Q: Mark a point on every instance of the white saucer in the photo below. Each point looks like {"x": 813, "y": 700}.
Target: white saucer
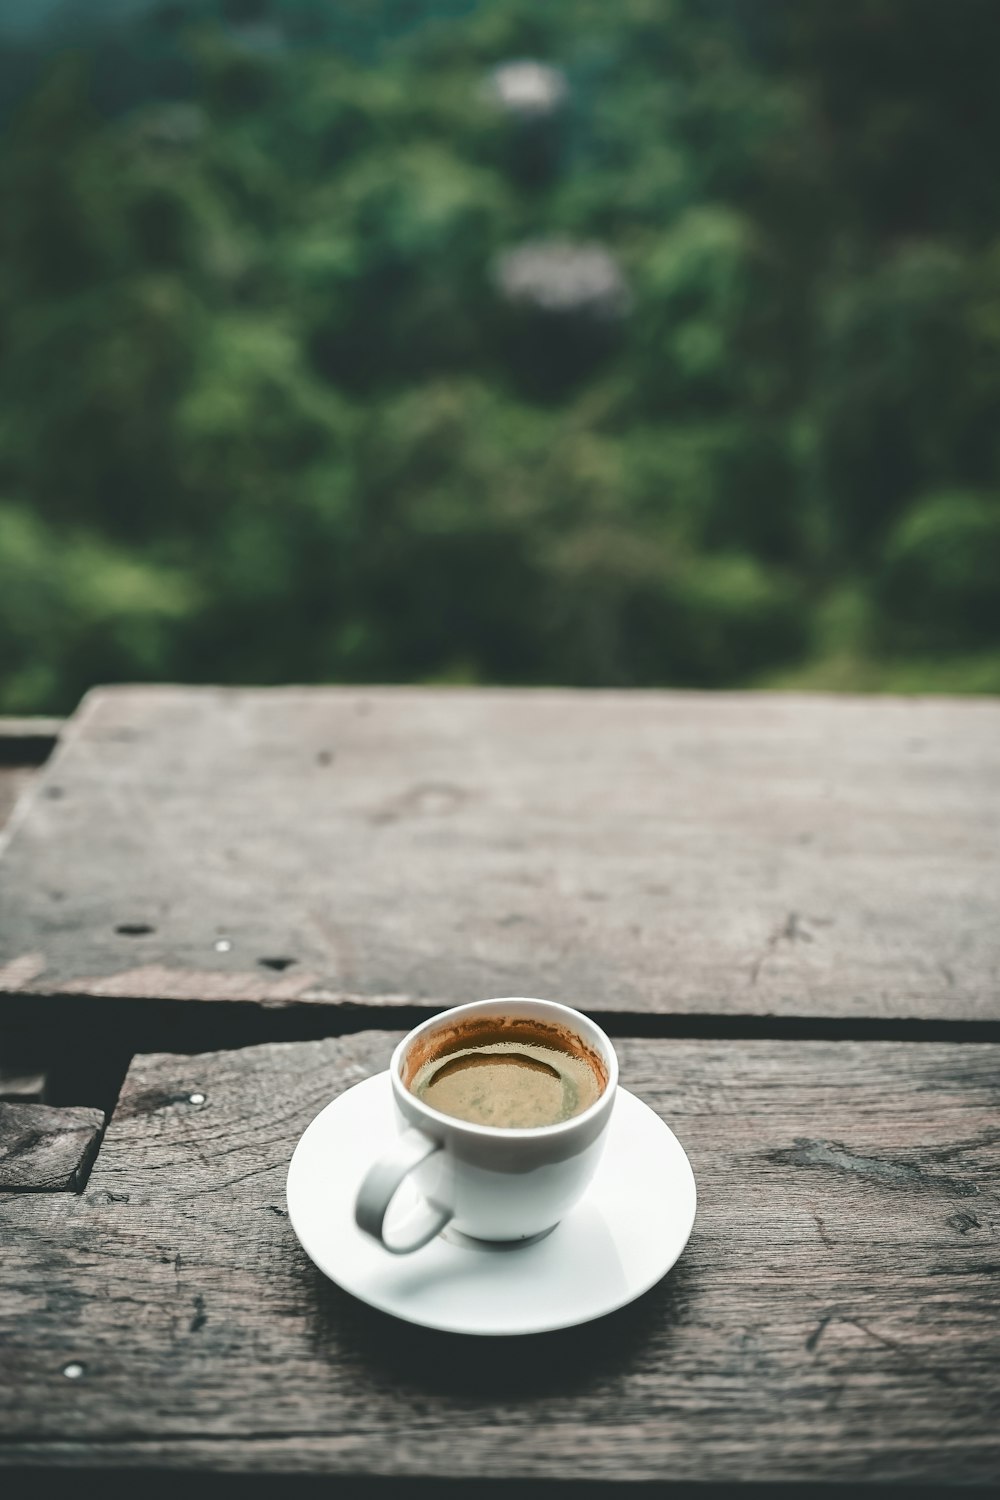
{"x": 624, "y": 1234}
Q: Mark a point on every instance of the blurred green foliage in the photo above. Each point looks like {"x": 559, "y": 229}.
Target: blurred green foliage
{"x": 264, "y": 415}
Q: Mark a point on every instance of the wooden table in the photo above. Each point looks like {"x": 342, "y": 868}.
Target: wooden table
{"x": 218, "y": 909}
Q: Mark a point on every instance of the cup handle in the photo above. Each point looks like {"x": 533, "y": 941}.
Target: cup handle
{"x": 379, "y": 1188}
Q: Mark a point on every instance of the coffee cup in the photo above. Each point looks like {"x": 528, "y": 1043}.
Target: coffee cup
{"x": 503, "y": 1108}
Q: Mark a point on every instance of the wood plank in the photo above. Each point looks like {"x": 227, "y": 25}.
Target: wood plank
{"x": 835, "y": 1315}
{"x": 46, "y": 1150}
{"x": 729, "y": 854}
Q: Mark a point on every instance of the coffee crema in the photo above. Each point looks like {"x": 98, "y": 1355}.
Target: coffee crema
{"x": 516, "y": 1073}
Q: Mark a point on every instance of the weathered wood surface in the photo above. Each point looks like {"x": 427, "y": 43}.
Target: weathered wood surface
{"x": 752, "y": 854}
{"x": 46, "y": 1150}
{"x": 835, "y": 1316}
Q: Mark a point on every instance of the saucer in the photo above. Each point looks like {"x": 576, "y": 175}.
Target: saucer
{"x": 620, "y": 1239}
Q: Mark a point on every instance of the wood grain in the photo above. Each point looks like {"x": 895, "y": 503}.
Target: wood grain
{"x": 46, "y": 1150}
{"x": 732, "y": 854}
{"x": 835, "y": 1316}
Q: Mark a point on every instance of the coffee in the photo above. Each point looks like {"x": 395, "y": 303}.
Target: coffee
{"x": 511, "y": 1072}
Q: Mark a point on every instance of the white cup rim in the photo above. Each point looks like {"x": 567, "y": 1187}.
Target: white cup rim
{"x": 569, "y": 1018}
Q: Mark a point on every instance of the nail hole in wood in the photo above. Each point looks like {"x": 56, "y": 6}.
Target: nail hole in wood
{"x": 324, "y": 758}
{"x": 276, "y": 963}
{"x": 134, "y": 929}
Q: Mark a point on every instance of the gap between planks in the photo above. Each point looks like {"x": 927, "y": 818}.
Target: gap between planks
{"x": 28, "y": 742}
{"x": 232, "y": 1033}
{"x": 79, "y": 1462}
{"x": 181, "y": 1026}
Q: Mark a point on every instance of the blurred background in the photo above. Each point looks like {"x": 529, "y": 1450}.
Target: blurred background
{"x": 655, "y": 342}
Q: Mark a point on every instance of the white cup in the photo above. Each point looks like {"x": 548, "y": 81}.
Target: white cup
{"x": 489, "y": 1182}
